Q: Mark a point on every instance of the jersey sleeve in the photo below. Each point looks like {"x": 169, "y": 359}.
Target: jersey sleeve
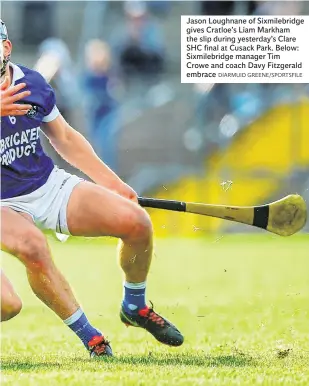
{"x": 51, "y": 111}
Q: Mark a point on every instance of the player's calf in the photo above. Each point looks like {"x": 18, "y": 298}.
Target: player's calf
{"x": 136, "y": 246}
{"x": 10, "y": 308}
{"x": 11, "y": 304}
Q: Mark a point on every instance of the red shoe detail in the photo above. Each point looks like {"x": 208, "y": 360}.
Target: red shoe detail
{"x": 144, "y": 311}
{"x": 98, "y": 346}
{"x": 95, "y": 340}
{"x": 151, "y": 315}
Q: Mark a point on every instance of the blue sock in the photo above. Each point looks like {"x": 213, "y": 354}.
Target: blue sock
{"x": 79, "y": 323}
{"x": 134, "y": 297}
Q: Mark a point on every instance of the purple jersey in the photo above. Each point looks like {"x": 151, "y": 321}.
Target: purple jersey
{"x": 24, "y": 165}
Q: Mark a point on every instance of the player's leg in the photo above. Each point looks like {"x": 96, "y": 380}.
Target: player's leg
{"x": 21, "y": 238}
{"x": 95, "y": 211}
{"x": 10, "y": 302}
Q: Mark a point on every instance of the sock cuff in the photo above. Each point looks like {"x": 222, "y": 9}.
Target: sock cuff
{"x": 73, "y": 318}
{"x": 141, "y": 285}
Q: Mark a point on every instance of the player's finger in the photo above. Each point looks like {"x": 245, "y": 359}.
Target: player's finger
{"x": 24, "y": 107}
{"x": 18, "y": 97}
{"x": 16, "y": 88}
{"x": 16, "y": 107}
{"x": 15, "y": 91}
{"x": 20, "y": 106}
{"x": 16, "y": 110}
{"x": 5, "y": 84}
{"x": 19, "y": 112}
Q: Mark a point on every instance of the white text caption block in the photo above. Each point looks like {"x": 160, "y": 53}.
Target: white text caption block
{"x": 244, "y": 49}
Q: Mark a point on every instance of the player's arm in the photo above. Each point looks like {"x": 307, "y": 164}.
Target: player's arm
{"x": 75, "y": 149}
{"x": 9, "y": 97}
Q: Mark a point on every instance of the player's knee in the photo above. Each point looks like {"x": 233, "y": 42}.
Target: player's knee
{"x": 10, "y": 308}
{"x": 34, "y": 250}
{"x": 140, "y": 225}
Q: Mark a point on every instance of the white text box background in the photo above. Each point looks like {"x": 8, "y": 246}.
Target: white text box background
{"x": 300, "y": 32}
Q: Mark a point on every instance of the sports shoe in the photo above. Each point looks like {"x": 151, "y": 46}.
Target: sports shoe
{"x": 99, "y": 346}
{"x": 164, "y": 331}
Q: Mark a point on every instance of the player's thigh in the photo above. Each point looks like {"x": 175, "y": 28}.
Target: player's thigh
{"x": 10, "y": 301}
{"x": 96, "y": 211}
{"x": 21, "y": 238}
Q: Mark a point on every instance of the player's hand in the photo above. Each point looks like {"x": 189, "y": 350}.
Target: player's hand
{"x": 123, "y": 189}
{"x": 126, "y": 191}
{"x": 11, "y": 95}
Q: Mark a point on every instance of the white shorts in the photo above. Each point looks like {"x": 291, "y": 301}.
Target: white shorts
{"x": 48, "y": 205}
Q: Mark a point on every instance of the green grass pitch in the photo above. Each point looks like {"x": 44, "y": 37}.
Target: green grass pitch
{"x": 241, "y": 301}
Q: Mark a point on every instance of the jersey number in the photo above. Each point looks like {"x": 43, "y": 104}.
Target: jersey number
{"x": 12, "y": 119}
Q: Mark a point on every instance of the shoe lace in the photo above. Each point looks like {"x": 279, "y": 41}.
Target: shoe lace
{"x": 152, "y": 316}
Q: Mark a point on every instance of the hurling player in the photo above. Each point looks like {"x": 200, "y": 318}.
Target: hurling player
{"x": 36, "y": 195}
